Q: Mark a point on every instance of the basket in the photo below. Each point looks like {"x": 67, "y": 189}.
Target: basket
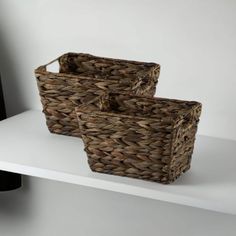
{"x": 140, "y": 137}
{"x": 81, "y": 78}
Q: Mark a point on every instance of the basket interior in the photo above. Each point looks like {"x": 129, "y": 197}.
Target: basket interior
{"x": 158, "y": 108}
{"x": 98, "y": 67}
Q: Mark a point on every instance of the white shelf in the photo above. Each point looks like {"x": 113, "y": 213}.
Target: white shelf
{"x": 28, "y": 148}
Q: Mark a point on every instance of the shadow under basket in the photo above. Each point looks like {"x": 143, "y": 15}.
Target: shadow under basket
{"x": 81, "y": 79}
{"x": 140, "y": 137}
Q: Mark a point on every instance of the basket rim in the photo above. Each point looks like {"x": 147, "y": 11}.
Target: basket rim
{"x": 152, "y": 64}
{"x": 43, "y": 68}
{"x": 174, "y": 121}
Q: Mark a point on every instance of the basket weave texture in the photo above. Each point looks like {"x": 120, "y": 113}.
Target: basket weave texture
{"x": 81, "y": 78}
{"x": 140, "y": 137}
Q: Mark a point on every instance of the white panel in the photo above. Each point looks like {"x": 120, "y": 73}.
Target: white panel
{"x": 28, "y": 148}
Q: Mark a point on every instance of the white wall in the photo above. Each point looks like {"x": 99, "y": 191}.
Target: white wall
{"x": 193, "y": 40}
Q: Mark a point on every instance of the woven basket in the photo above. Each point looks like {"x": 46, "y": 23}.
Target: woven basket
{"x": 140, "y": 137}
{"x": 81, "y": 78}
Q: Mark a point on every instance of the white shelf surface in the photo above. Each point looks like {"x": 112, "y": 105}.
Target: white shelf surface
{"x": 27, "y": 147}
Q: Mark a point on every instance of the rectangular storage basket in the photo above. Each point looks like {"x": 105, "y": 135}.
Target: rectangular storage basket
{"x": 81, "y": 78}
{"x": 140, "y": 137}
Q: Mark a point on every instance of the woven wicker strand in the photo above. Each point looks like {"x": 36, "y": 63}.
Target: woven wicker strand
{"x": 146, "y": 138}
{"x": 81, "y": 79}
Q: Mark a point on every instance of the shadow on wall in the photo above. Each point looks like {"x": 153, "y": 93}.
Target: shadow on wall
{"x": 10, "y": 82}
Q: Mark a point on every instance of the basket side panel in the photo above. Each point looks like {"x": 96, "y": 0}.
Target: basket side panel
{"x": 126, "y": 147}
{"x": 183, "y": 145}
{"x": 60, "y": 95}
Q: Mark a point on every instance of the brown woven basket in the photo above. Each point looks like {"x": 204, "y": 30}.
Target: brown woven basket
{"x": 81, "y": 78}
{"x": 140, "y": 137}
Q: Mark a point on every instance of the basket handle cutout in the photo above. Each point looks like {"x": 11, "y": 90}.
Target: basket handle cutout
{"x": 107, "y": 102}
{"x": 50, "y": 66}
{"x": 188, "y": 121}
{"x": 141, "y": 84}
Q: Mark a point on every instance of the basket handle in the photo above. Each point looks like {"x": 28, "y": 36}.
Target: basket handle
{"x": 104, "y": 101}
{"x": 139, "y": 85}
{"x": 188, "y": 121}
{"x": 43, "y": 68}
